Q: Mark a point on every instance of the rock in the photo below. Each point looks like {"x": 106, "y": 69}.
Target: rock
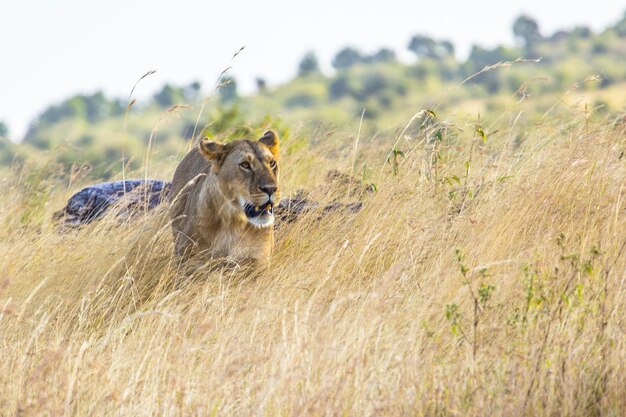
{"x": 130, "y": 197}
{"x": 134, "y": 197}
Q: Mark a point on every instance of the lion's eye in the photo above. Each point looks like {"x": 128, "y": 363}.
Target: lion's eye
{"x": 272, "y": 164}
{"x": 245, "y": 165}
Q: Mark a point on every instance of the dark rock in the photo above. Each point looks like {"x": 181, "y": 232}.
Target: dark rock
{"x": 132, "y": 197}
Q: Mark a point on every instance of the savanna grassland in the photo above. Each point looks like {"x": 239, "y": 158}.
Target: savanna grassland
{"x": 485, "y": 276}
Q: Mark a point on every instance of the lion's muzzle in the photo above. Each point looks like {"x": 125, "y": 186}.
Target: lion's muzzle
{"x": 256, "y": 211}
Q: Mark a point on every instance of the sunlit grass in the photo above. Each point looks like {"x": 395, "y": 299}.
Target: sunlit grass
{"x": 480, "y": 279}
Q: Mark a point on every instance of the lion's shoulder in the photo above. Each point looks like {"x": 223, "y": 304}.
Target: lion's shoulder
{"x": 189, "y": 167}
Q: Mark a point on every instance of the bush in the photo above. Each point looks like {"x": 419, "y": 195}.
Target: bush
{"x": 300, "y": 100}
{"x": 339, "y": 87}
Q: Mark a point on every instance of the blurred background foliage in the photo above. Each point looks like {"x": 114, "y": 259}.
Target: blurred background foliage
{"x": 96, "y": 135}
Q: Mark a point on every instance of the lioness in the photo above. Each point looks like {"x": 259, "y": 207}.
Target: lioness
{"x": 223, "y": 199}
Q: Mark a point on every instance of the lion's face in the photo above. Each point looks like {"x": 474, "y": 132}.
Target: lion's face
{"x": 247, "y": 173}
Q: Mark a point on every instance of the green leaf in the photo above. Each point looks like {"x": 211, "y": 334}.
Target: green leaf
{"x": 481, "y": 133}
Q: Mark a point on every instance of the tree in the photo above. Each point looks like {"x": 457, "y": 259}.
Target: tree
{"x": 228, "y": 89}
{"x": 118, "y": 107}
{"x": 582, "y": 32}
{"x": 7, "y": 148}
{"x": 600, "y": 45}
{"x": 447, "y": 47}
{"x": 426, "y": 47}
{"x": 97, "y": 107}
{"x": 192, "y": 91}
{"x": 383, "y": 55}
{"x": 620, "y": 27}
{"x": 308, "y": 65}
{"x": 422, "y": 46}
{"x": 480, "y": 58}
{"x": 373, "y": 83}
{"x": 169, "y": 95}
{"x": 74, "y": 107}
{"x": 261, "y": 84}
{"x": 526, "y": 29}
{"x": 339, "y": 87}
{"x": 347, "y": 58}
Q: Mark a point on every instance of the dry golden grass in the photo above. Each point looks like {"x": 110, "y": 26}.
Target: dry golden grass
{"x": 494, "y": 292}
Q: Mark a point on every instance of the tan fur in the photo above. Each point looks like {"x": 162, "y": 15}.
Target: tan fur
{"x": 208, "y": 187}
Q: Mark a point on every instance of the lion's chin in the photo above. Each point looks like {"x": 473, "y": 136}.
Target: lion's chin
{"x": 262, "y": 221}
{"x": 258, "y": 216}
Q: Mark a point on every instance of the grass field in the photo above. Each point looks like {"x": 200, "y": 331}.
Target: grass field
{"x": 485, "y": 276}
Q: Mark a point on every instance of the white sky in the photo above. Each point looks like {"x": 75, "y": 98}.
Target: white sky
{"x": 50, "y": 50}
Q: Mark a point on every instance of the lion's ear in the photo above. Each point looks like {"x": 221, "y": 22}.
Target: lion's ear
{"x": 270, "y": 139}
{"x": 212, "y": 151}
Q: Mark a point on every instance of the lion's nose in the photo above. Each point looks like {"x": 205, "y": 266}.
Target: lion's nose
{"x": 268, "y": 189}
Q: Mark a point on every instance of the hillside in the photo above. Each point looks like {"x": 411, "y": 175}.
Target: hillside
{"x": 574, "y": 68}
